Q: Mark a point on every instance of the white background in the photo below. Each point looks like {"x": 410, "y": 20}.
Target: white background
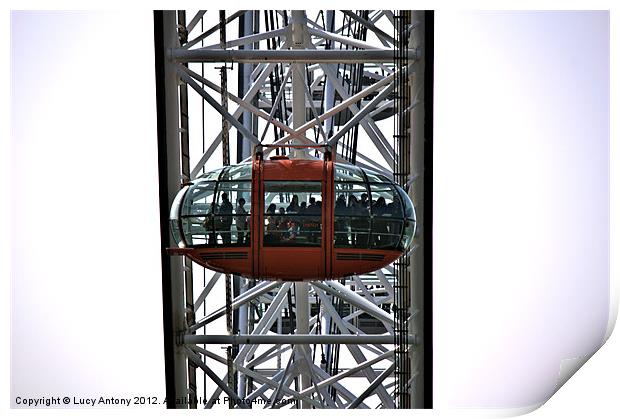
{"x": 108, "y": 120}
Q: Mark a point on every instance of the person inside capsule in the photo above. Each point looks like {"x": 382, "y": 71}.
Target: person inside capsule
{"x": 271, "y": 224}
{"x": 241, "y": 221}
{"x": 225, "y": 219}
{"x": 208, "y": 224}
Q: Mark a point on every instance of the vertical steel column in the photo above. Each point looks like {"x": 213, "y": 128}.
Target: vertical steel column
{"x": 298, "y": 34}
{"x": 330, "y": 92}
{"x": 245, "y": 72}
{"x": 185, "y": 170}
{"x": 421, "y": 82}
{"x": 224, "y": 93}
{"x": 329, "y": 101}
{"x": 226, "y": 162}
{"x": 169, "y": 182}
{"x": 402, "y": 142}
{"x": 254, "y": 15}
{"x": 302, "y": 308}
{"x": 246, "y": 23}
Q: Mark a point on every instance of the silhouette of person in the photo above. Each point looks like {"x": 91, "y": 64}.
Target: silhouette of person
{"x": 364, "y": 200}
{"x": 294, "y": 205}
{"x": 380, "y": 224}
{"x": 226, "y": 210}
{"x": 241, "y": 220}
{"x": 209, "y": 226}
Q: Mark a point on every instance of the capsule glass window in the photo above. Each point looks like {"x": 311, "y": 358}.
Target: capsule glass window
{"x": 407, "y": 204}
{"x": 407, "y": 234}
{"x": 347, "y": 173}
{"x": 376, "y": 177}
{"x": 351, "y": 215}
{"x": 212, "y": 175}
{"x": 232, "y": 210}
{"x": 175, "y": 217}
{"x": 387, "y": 212}
{"x": 386, "y": 201}
{"x": 237, "y": 173}
{"x": 292, "y": 214}
{"x": 197, "y": 205}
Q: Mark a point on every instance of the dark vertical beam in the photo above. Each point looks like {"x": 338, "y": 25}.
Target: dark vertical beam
{"x": 429, "y": 43}
{"x": 169, "y": 171}
{"x": 158, "y": 23}
{"x": 403, "y": 138}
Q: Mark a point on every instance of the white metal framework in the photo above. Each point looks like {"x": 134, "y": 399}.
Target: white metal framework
{"x": 351, "y": 79}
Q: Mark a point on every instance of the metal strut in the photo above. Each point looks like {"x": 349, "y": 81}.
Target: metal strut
{"x": 226, "y": 162}
{"x": 402, "y": 19}
{"x": 185, "y": 169}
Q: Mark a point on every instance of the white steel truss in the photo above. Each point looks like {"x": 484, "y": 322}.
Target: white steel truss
{"x": 301, "y": 81}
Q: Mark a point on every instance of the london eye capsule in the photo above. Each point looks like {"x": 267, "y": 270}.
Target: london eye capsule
{"x": 292, "y": 219}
